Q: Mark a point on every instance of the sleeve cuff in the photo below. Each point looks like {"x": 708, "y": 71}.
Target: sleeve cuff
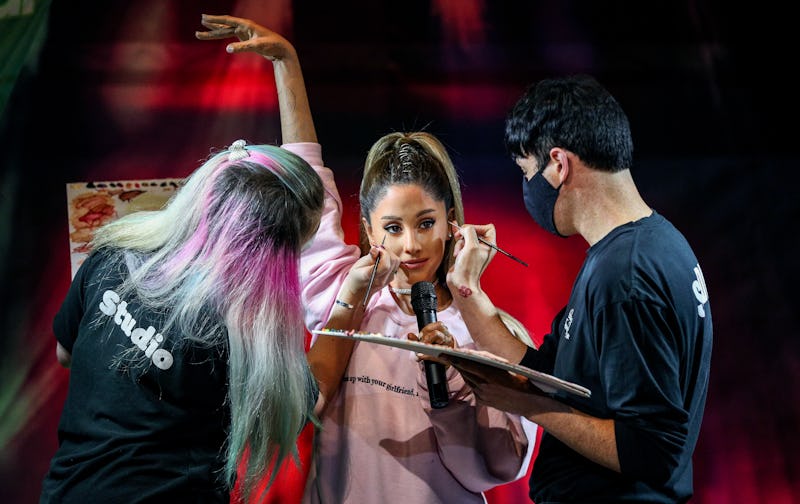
{"x": 310, "y": 151}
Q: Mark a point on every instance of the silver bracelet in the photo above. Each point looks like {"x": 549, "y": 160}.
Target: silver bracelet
{"x": 344, "y": 304}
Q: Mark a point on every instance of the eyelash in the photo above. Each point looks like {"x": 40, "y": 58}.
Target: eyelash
{"x": 394, "y": 228}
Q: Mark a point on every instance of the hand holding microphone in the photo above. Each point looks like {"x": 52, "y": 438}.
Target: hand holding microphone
{"x": 424, "y": 303}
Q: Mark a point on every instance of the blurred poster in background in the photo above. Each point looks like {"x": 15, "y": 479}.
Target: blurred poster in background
{"x": 92, "y": 204}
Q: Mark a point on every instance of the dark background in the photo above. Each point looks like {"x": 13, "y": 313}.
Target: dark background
{"x": 123, "y": 90}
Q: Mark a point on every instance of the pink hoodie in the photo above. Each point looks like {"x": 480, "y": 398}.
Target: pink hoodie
{"x": 380, "y": 439}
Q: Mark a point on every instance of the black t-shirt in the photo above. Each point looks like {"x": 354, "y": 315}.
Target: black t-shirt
{"x": 152, "y": 433}
{"x": 637, "y": 332}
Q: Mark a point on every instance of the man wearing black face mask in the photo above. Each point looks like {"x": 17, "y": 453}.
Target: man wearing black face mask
{"x": 637, "y": 328}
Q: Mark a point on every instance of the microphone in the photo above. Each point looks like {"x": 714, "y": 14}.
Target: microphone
{"x": 423, "y": 301}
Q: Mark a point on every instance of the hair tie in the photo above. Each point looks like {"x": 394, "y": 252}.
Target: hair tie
{"x": 237, "y": 151}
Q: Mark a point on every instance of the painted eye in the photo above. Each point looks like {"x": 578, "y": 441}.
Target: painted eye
{"x": 427, "y": 224}
{"x": 392, "y": 229}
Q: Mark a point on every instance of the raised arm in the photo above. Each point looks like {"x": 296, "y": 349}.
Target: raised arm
{"x": 593, "y": 437}
{"x": 329, "y": 355}
{"x": 477, "y": 309}
{"x": 297, "y": 124}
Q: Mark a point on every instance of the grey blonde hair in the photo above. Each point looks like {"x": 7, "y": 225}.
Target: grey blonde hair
{"x": 221, "y": 260}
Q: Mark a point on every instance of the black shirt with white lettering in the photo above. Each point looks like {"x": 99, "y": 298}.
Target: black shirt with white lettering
{"x": 148, "y": 433}
{"x": 637, "y": 332}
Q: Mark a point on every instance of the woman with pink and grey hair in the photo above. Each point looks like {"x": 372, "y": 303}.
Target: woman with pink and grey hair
{"x": 184, "y": 333}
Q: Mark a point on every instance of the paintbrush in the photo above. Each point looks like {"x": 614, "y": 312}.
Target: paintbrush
{"x": 492, "y": 245}
{"x": 374, "y": 270}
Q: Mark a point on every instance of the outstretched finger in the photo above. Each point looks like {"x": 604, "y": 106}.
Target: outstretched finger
{"x": 250, "y": 46}
{"x": 216, "y": 33}
{"x": 207, "y": 19}
{"x": 225, "y": 26}
{"x": 211, "y": 25}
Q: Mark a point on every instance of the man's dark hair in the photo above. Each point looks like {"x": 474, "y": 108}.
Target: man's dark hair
{"x": 575, "y": 113}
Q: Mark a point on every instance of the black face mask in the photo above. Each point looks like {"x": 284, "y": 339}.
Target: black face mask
{"x": 540, "y": 201}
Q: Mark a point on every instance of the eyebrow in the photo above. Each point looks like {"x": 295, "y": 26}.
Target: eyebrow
{"x": 419, "y": 214}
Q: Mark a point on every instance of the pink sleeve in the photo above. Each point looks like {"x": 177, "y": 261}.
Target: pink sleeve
{"x": 507, "y": 442}
{"x": 324, "y": 264}
{"x": 504, "y": 445}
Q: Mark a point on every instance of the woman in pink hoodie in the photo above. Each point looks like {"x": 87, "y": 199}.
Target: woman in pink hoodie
{"x": 380, "y": 439}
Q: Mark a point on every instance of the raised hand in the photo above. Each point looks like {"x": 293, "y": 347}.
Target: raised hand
{"x": 297, "y": 124}
{"x": 253, "y": 37}
{"x": 360, "y": 273}
{"x": 472, "y": 258}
